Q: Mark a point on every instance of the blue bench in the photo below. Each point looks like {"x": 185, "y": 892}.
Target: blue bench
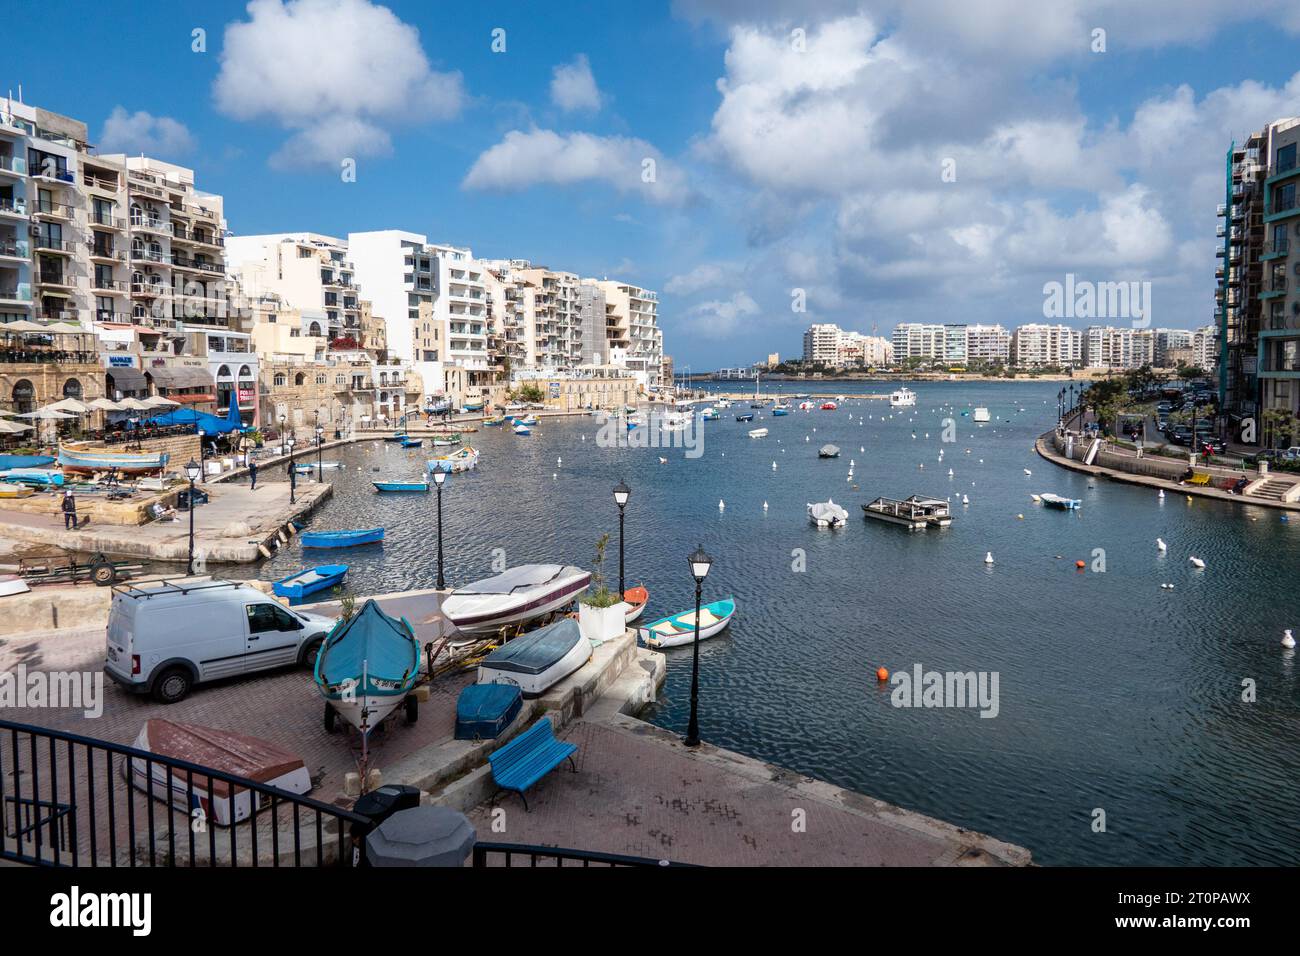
{"x": 530, "y": 757}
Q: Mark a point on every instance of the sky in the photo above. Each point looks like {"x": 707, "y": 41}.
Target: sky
{"x": 763, "y": 164}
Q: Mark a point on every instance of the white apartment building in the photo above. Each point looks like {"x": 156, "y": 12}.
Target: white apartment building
{"x": 1205, "y": 348}
{"x": 310, "y": 273}
{"x": 821, "y": 344}
{"x": 632, "y": 330}
{"x": 460, "y": 308}
{"x": 1166, "y": 339}
{"x": 858, "y": 350}
{"x": 1039, "y": 344}
{"x": 1107, "y": 347}
{"x": 919, "y": 340}
{"x": 553, "y": 314}
{"x": 396, "y": 270}
{"x": 988, "y": 343}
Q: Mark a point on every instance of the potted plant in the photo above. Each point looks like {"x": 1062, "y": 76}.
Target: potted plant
{"x": 601, "y": 612}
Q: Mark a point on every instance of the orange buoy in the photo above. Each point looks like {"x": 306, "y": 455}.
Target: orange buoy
{"x": 1079, "y": 564}
{"x": 882, "y": 674}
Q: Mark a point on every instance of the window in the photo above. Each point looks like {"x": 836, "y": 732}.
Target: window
{"x": 1286, "y": 158}
{"x": 281, "y": 379}
{"x": 268, "y": 617}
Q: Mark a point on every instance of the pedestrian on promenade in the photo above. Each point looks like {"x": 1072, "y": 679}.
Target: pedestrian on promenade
{"x": 69, "y": 511}
{"x": 252, "y": 475}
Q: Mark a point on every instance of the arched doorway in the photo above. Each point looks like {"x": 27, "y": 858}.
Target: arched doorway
{"x": 72, "y": 389}
{"x": 24, "y": 396}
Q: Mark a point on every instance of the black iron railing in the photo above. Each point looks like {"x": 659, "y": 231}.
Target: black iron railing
{"x": 69, "y": 800}
{"x": 522, "y": 854}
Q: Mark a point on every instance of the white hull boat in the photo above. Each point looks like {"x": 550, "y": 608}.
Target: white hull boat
{"x": 827, "y": 514}
{"x": 903, "y": 398}
{"x": 513, "y": 597}
{"x": 539, "y": 659}
{"x": 981, "y": 414}
{"x": 758, "y": 433}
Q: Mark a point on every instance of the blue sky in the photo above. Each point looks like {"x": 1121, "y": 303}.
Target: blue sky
{"x": 781, "y": 164}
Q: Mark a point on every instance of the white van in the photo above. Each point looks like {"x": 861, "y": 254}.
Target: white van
{"x": 166, "y": 636}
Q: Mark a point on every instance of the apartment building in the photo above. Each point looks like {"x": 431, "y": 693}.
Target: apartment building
{"x": 1039, "y": 344}
{"x": 919, "y": 340}
{"x": 1205, "y": 348}
{"x": 821, "y": 344}
{"x": 396, "y": 269}
{"x": 1118, "y": 348}
{"x": 593, "y": 318}
{"x": 988, "y": 343}
{"x": 635, "y": 340}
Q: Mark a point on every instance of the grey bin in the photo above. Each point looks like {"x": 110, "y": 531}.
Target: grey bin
{"x": 421, "y": 836}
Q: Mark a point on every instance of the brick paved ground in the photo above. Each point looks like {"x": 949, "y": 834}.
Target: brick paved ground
{"x": 639, "y": 792}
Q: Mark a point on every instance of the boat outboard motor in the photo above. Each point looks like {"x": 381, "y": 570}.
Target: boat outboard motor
{"x": 377, "y": 806}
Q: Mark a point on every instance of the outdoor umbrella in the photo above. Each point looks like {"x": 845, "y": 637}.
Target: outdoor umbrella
{"x": 12, "y": 428}
{"x": 72, "y": 405}
{"x": 135, "y": 405}
{"x": 22, "y": 325}
{"x": 159, "y": 401}
{"x": 106, "y": 405}
{"x": 48, "y": 413}
{"x": 421, "y": 836}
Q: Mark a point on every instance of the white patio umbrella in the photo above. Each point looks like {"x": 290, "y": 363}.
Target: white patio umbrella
{"x": 71, "y": 405}
{"x": 106, "y": 405}
{"x": 135, "y": 405}
{"x": 12, "y": 428}
{"x": 160, "y": 401}
{"x": 47, "y": 414}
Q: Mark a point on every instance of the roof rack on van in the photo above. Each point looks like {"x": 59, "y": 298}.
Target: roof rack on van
{"x": 155, "y": 587}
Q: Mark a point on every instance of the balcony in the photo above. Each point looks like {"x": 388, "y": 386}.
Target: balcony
{"x": 49, "y": 209}
{"x": 46, "y": 243}
{"x": 107, "y": 253}
{"x": 14, "y": 166}
{"x": 55, "y": 175}
{"x": 147, "y": 224}
{"x": 91, "y": 181}
{"x": 15, "y": 249}
{"x": 13, "y": 207}
{"x": 60, "y": 278}
{"x": 155, "y": 256}
{"x": 150, "y": 290}
{"x": 112, "y": 286}
{"x": 107, "y": 221}
{"x": 21, "y": 292}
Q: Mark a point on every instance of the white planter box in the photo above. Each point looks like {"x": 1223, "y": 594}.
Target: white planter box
{"x": 601, "y": 624}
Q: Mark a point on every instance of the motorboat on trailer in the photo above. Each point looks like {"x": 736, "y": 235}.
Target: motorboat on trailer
{"x": 827, "y": 514}
{"x": 1063, "y": 504}
{"x": 902, "y": 398}
{"x": 513, "y": 597}
{"x": 678, "y": 629}
{"x": 538, "y": 660}
{"x": 367, "y": 667}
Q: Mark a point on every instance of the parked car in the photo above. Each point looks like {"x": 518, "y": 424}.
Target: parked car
{"x": 164, "y": 637}
{"x": 1291, "y": 454}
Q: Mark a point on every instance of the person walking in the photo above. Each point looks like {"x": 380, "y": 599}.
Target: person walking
{"x": 252, "y": 475}
{"x": 69, "y": 511}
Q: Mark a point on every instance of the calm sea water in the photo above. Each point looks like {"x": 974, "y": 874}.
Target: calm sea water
{"x": 1114, "y": 693}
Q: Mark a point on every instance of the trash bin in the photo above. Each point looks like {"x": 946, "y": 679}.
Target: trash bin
{"x": 377, "y": 806}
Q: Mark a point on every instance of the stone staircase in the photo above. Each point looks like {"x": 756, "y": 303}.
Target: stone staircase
{"x": 1274, "y": 489}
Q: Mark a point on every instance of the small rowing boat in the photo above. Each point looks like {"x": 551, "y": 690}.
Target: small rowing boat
{"x": 758, "y": 433}
{"x": 340, "y": 539}
{"x": 636, "y": 599}
{"x": 539, "y": 659}
{"x": 1064, "y": 504}
{"x": 443, "y": 441}
{"x": 523, "y": 430}
{"x": 401, "y": 485}
{"x": 366, "y": 667}
{"x": 297, "y": 586}
{"x": 494, "y": 422}
{"x": 86, "y": 461}
{"x": 306, "y": 469}
{"x": 408, "y": 442}
{"x": 462, "y": 459}
{"x": 514, "y": 596}
{"x": 678, "y": 629}
{"x": 829, "y": 406}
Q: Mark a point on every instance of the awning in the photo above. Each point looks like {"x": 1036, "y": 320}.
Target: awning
{"x": 127, "y": 379}
{"x": 182, "y": 376}
{"x": 196, "y": 398}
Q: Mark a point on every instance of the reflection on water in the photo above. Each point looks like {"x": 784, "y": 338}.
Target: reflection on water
{"x": 1114, "y": 693}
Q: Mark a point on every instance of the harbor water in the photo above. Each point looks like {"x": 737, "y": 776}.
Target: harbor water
{"x": 1170, "y": 713}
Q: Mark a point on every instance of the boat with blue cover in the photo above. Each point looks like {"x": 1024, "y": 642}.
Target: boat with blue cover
{"x": 297, "y": 586}
{"x": 366, "y": 667}
{"x": 401, "y": 485}
{"x": 483, "y": 711}
{"x": 409, "y": 442}
{"x": 538, "y": 659}
{"x": 1064, "y": 504}
{"x": 33, "y": 476}
{"x": 678, "y": 629}
{"x": 8, "y": 462}
{"x": 340, "y": 539}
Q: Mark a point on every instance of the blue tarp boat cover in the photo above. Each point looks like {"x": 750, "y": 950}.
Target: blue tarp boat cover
{"x": 190, "y": 416}
{"x": 386, "y": 645}
{"x": 538, "y": 650}
{"x": 483, "y": 711}
{"x": 24, "y": 461}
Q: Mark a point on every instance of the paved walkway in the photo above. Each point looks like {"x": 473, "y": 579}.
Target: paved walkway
{"x": 638, "y": 791}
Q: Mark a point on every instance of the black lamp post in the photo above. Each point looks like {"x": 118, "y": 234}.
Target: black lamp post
{"x": 293, "y": 473}
{"x": 439, "y": 477}
{"x": 700, "y": 564}
{"x": 320, "y": 441}
{"x": 621, "y": 493}
{"x": 203, "y": 456}
{"x": 192, "y": 473}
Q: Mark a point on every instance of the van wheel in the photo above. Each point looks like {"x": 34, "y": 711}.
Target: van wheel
{"x": 330, "y": 719}
{"x": 412, "y": 710}
{"x": 310, "y": 653}
{"x": 172, "y": 685}
{"x": 102, "y": 573}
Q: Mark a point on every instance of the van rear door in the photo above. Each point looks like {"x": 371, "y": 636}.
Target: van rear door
{"x": 118, "y": 658}
{"x": 272, "y": 636}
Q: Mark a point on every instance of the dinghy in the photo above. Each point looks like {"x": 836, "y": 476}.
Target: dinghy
{"x": 235, "y": 754}
{"x": 33, "y": 476}
{"x": 827, "y": 514}
{"x": 828, "y": 451}
{"x": 85, "y": 461}
{"x": 366, "y": 667}
{"x": 745, "y": 418}
{"x": 636, "y": 599}
{"x": 522, "y": 430}
{"x": 297, "y": 586}
{"x": 462, "y": 459}
{"x": 780, "y": 409}
{"x": 829, "y": 406}
{"x": 981, "y": 414}
{"x": 539, "y": 659}
{"x": 678, "y": 629}
{"x": 758, "y": 433}
{"x": 306, "y": 469}
{"x": 483, "y": 711}
{"x": 494, "y": 422}
{"x": 340, "y": 539}
{"x": 412, "y": 442}
{"x": 401, "y": 485}
{"x": 446, "y": 441}
{"x": 513, "y": 597}
{"x": 1056, "y": 501}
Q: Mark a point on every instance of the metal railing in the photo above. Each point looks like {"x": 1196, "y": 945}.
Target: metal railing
{"x": 69, "y": 800}
{"x": 522, "y": 854}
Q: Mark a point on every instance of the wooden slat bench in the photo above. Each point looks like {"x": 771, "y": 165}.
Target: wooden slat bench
{"x": 529, "y": 757}
{"x": 1198, "y": 479}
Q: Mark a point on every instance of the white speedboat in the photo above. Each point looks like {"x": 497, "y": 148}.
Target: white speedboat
{"x": 981, "y": 414}
{"x": 902, "y": 398}
{"x": 827, "y": 514}
{"x": 758, "y": 433}
{"x": 513, "y": 597}
{"x": 539, "y": 659}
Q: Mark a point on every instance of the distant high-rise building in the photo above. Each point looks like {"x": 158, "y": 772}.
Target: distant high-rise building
{"x": 1039, "y": 344}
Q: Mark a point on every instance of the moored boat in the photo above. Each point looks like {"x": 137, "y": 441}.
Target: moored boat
{"x": 475, "y": 406}
{"x": 401, "y": 485}
{"x": 981, "y": 414}
{"x": 748, "y": 417}
{"x": 758, "y": 433}
{"x": 366, "y": 667}
{"x": 87, "y": 461}
{"x": 306, "y": 468}
{"x": 297, "y": 586}
{"x": 828, "y": 451}
{"x": 408, "y": 442}
{"x": 494, "y": 422}
{"x": 340, "y": 539}
{"x": 902, "y": 398}
{"x": 446, "y": 441}
{"x": 710, "y": 415}
{"x": 514, "y": 596}
{"x": 829, "y": 406}
{"x": 1057, "y": 501}
{"x": 636, "y": 599}
{"x": 827, "y": 514}
{"x": 678, "y": 629}
{"x": 522, "y": 430}
{"x": 539, "y": 659}
{"x": 462, "y": 459}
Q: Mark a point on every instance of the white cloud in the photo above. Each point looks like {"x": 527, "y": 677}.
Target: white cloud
{"x": 721, "y": 318}
{"x": 158, "y": 136}
{"x": 337, "y": 73}
{"x": 573, "y": 87}
{"x": 708, "y": 275}
{"x": 542, "y": 156}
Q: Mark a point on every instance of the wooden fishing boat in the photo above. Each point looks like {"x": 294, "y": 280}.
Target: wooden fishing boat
{"x": 514, "y": 596}
{"x": 9, "y": 490}
{"x": 340, "y": 539}
{"x": 412, "y": 442}
{"x": 401, "y": 485}
{"x": 539, "y": 659}
{"x": 636, "y": 599}
{"x": 678, "y": 629}
{"x": 444, "y": 441}
{"x": 367, "y": 667}
{"x": 88, "y": 461}
{"x": 462, "y": 459}
{"x": 475, "y": 406}
{"x": 297, "y": 586}
{"x": 494, "y": 422}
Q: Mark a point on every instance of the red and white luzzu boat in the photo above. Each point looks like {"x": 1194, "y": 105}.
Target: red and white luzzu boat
{"x": 829, "y": 406}
{"x": 514, "y": 596}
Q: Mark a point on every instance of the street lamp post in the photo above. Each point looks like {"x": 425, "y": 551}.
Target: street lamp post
{"x": 320, "y": 441}
{"x": 192, "y": 473}
{"x": 621, "y": 493}
{"x": 439, "y": 477}
{"x": 700, "y": 564}
{"x": 203, "y": 456}
{"x": 293, "y": 473}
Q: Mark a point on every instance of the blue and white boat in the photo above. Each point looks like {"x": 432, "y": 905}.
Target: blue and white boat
{"x": 340, "y": 539}
{"x": 366, "y": 667}
{"x": 710, "y": 415}
{"x": 494, "y": 422}
{"x": 409, "y": 442}
{"x": 306, "y": 469}
{"x": 678, "y": 629}
{"x": 297, "y": 586}
{"x": 401, "y": 485}
{"x": 539, "y": 659}
{"x": 91, "y": 461}
{"x": 780, "y": 409}
{"x": 523, "y": 430}
{"x": 33, "y": 476}
{"x": 1056, "y": 501}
